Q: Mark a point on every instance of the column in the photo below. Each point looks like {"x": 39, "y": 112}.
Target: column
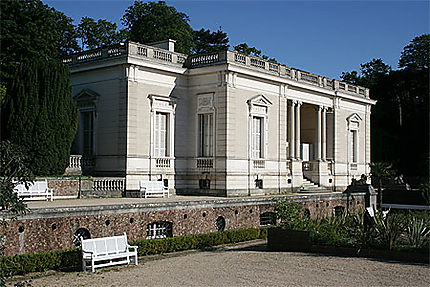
{"x": 292, "y": 141}
{"x": 324, "y": 134}
{"x": 319, "y": 133}
{"x": 298, "y": 153}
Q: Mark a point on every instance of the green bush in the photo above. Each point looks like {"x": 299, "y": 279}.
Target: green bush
{"x": 40, "y": 262}
{"x": 68, "y": 259}
{"x": 292, "y": 214}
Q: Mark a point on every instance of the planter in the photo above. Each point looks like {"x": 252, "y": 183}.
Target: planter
{"x": 279, "y": 239}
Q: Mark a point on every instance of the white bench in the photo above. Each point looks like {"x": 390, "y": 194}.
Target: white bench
{"x": 106, "y": 250}
{"x": 154, "y": 188}
{"x": 39, "y": 190}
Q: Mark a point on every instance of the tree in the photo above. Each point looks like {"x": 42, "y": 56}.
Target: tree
{"x": 252, "y": 51}
{"x": 370, "y": 73}
{"x": 38, "y": 114}
{"x": 31, "y": 29}
{"x": 245, "y": 49}
{"x": 206, "y": 41}
{"x": 415, "y": 56}
{"x": 155, "y": 21}
{"x": 97, "y": 34}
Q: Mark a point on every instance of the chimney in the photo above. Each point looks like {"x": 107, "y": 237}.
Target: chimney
{"x": 168, "y": 44}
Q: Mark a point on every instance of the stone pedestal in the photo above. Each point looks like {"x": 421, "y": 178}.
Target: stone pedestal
{"x": 297, "y": 173}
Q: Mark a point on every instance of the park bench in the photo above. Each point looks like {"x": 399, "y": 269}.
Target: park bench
{"x": 153, "y": 188}
{"x": 39, "y": 190}
{"x": 107, "y": 251}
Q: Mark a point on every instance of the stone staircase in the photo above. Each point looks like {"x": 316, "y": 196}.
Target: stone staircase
{"x": 309, "y": 186}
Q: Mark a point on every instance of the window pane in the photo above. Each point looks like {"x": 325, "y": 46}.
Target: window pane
{"x": 205, "y": 135}
{"x": 88, "y": 129}
{"x": 257, "y": 137}
{"x": 160, "y": 135}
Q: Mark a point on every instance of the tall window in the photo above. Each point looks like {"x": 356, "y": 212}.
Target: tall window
{"x": 257, "y": 137}
{"x": 161, "y": 135}
{"x": 353, "y": 146}
{"x": 205, "y": 135}
{"x": 88, "y": 129}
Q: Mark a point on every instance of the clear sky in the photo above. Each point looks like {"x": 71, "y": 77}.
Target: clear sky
{"x": 323, "y": 37}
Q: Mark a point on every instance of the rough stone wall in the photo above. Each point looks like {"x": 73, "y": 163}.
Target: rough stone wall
{"x": 49, "y": 231}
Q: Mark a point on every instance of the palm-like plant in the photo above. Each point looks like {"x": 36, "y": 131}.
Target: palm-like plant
{"x": 388, "y": 228}
{"x": 417, "y": 232}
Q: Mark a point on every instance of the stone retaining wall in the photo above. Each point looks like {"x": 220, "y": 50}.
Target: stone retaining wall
{"x": 48, "y": 229}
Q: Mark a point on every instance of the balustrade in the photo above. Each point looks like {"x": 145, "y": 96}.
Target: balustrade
{"x": 240, "y": 58}
{"x": 162, "y": 162}
{"x": 258, "y": 63}
{"x": 204, "y": 59}
{"x": 149, "y": 52}
{"x": 259, "y": 163}
{"x": 108, "y": 184}
{"x": 205, "y": 163}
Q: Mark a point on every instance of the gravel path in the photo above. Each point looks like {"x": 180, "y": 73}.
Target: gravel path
{"x": 248, "y": 265}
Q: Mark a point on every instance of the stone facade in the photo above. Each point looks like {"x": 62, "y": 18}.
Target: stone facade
{"x": 48, "y": 229}
{"x": 223, "y": 124}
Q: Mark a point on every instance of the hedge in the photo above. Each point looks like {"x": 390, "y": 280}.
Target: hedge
{"x": 71, "y": 259}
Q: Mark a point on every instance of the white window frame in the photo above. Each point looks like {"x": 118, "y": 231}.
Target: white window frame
{"x": 258, "y": 109}
{"x": 205, "y": 134}
{"x": 353, "y": 138}
{"x": 257, "y": 137}
{"x": 163, "y": 105}
{"x": 86, "y": 101}
{"x": 205, "y": 107}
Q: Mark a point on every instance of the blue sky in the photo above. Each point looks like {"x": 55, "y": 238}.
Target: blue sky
{"x": 323, "y": 37}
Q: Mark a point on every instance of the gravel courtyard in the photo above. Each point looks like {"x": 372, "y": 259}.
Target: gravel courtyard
{"x": 248, "y": 265}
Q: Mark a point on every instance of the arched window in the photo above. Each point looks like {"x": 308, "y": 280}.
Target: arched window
{"x": 160, "y": 229}
{"x": 80, "y": 232}
{"x": 220, "y": 224}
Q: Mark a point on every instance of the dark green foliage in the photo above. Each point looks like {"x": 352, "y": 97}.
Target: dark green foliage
{"x": 155, "y": 21}
{"x": 38, "y": 115}
{"x": 206, "y": 41}
{"x": 68, "y": 259}
{"x": 40, "y": 262}
{"x": 252, "y": 51}
{"x": 97, "y": 34}
{"x": 14, "y": 170}
{"x": 31, "y": 29}
{"x": 400, "y": 117}
{"x": 291, "y": 214}
{"x": 198, "y": 241}
{"x": 416, "y": 55}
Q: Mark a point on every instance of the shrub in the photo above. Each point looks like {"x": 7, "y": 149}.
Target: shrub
{"x": 67, "y": 259}
{"x": 291, "y": 214}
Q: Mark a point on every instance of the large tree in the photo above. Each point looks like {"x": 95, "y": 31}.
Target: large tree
{"x": 98, "y": 33}
{"x": 38, "y": 114}
{"x": 415, "y": 56}
{"x": 155, "y": 21}
{"x": 207, "y": 42}
{"x": 400, "y": 125}
{"x": 31, "y": 29}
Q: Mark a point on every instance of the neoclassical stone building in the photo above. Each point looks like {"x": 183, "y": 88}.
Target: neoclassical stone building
{"x": 220, "y": 124}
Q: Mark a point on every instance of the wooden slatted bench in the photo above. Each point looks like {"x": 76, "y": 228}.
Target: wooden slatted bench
{"x": 153, "y": 188}
{"x": 106, "y": 251}
{"x": 39, "y": 190}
